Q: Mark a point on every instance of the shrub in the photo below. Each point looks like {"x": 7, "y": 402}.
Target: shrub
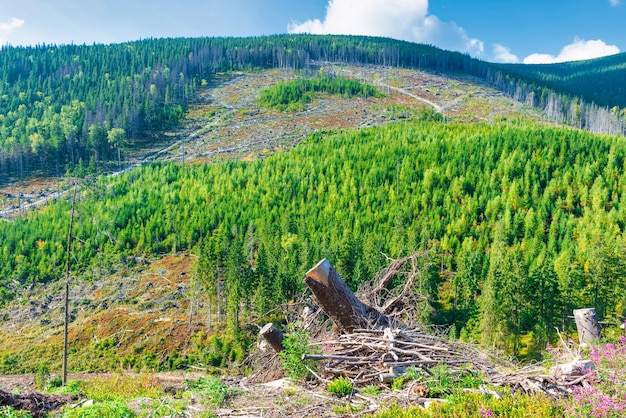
{"x": 9, "y": 412}
{"x": 109, "y": 409}
{"x": 340, "y": 386}
{"x": 213, "y": 391}
{"x": 397, "y": 383}
{"x": 371, "y": 390}
{"x": 42, "y": 377}
{"x": 607, "y": 395}
{"x": 296, "y": 344}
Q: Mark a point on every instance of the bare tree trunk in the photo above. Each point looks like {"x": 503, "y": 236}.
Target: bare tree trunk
{"x": 332, "y": 294}
{"x": 67, "y": 291}
{"x": 273, "y": 336}
{"x": 587, "y": 324}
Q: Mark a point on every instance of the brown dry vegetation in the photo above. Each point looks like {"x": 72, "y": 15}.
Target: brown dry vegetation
{"x": 137, "y": 312}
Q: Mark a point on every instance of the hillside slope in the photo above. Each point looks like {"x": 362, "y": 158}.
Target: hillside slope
{"x": 78, "y": 105}
{"x": 528, "y": 221}
{"x": 599, "y": 80}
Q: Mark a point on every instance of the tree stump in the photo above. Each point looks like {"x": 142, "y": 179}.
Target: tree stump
{"x": 587, "y": 325}
{"x": 336, "y": 299}
{"x": 273, "y": 336}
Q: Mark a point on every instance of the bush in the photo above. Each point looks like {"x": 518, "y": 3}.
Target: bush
{"x": 108, "y": 409}
{"x": 296, "y": 344}
{"x": 214, "y": 392}
{"x": 340, "y": 386}
{"x": 371, "y": 390}
{"x": 9, "y": 412}
{"x": 607, "y": 395}
{"x": 42, "y": 377}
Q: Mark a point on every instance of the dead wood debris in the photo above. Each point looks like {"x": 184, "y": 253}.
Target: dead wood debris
{"x": 372, "y": 357}
{"x": 377, "y": 356}
{"x": 38, "y": 404}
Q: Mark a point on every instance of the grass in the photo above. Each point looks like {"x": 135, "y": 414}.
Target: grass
{"x": 470, "y": 405}
{"x": 214, "y": 393}
{"x": 121, "y": 387}
{"x": 141, "y": 395}
{"x": 9, "y": 412}
{"x": 109, "y": 409}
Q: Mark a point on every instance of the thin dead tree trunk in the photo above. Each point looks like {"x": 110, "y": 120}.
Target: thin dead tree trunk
{"x": 67, "y": 290}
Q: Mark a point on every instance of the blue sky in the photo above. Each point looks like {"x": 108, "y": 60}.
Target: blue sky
{"x": 504, "y": 31}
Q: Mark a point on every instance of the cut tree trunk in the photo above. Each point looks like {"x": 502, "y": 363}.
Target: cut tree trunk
{"x": 273, "y": 336}
{"x": 334, "y": 297}
{"x": 587, "y": 325}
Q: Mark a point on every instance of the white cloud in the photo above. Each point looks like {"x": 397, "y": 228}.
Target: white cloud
{"x": 8, "y": 27}
{"x": 14, "y": 23}
{"x": 577, "y": 50}
{"x": 503, "y": 54}
{"x": 615, "y": 3}
{"x": 401, "y": 19}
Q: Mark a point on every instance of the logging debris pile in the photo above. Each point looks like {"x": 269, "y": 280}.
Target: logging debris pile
{"x": 374, "y": 346}
{"x": 37, "y": 404}
{"x": 375, "y": 357}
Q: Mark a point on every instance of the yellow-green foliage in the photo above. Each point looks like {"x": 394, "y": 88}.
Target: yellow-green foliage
{"x": 340, "y": 386}
{"x": 471, "y": 405}
{"x": 108, "y": 409}
{"x": 213, "y": 392}
{"x": 121, "y": 387}
{"x": 10, "y": 412}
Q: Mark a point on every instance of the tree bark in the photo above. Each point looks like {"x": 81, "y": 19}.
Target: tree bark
{"x": 273, "y": 336}
{"x": 334, "y": 297}
{"x": 587, "y": 324}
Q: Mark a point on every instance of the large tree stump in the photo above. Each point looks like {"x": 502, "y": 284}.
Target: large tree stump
{"x": 587, "y": 324}
{"x": 273, "y": 336}
{"x": 336, "y": 299}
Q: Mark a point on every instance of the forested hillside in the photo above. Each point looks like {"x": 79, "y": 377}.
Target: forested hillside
{"x": 529, "y": 220}
{"x": 600, "y": 80}
{"x": 76, "y": 104}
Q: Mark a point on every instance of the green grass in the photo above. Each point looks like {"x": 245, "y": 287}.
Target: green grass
{"x": 9, "y": 412}
{"x": 108, "y": 409}
{"x": 470, "y": 405}
{"x": 214, "y": 393}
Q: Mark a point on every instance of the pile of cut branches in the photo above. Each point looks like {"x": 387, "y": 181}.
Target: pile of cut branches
{"x": 371, "y": 356}
{"x": 370, "y": 343}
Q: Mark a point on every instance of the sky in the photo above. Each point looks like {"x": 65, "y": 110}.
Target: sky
{"x": 514, "y": 31}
